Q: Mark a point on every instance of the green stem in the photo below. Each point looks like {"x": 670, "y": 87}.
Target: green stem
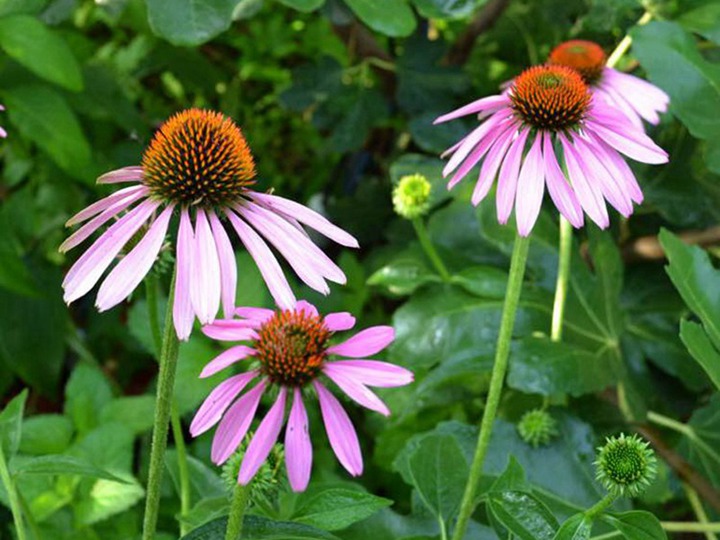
{"x": 13, "y": 497}
{"x": 429, "y": 248}
{"x": 686, "y": 430}
{"x": 163, "y": 405}
{"x": 699, "y": 511}
{"x": 624, "y": 45}
{"x": 183, "y": 469}
{"x": 692, "y": 526}
{"x": 241, "y": 494}
{"x": 561, "y": 286}
{"x": 502, "y": 352}
{"x": 600, "y": 506}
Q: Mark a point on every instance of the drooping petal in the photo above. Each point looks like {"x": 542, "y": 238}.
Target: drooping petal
{"x": 266, "y": 262}
{"x": 589, "y": 195}
{"x": 485, "y": 133}
{"x": 531, "y": 187}
{"x": 483, "y": 104}
{"x": 131, "y": 270}
{"x": 205, "y": 279}
{"x": 365, "y": 343}
{"x": 634, "y": 144}
{"x": 235, "y": 424}
{"x": 618, "y": 168}
{"x": 258, "y": 314}
{"x": 225, "y": 359}
{"x": 228, "y": 268}
{"x": 373, "y": 372}
{"x": 126, "y": 174}
{"x": 337, "y": 322}
{"x": 183, "y": 315}
{"x": 357, "y": 391}
{"x": 340, "y": 431}
{"x": 490, "y": 166}
{"x": 218, "y": 401}
{"x": 507, "y": 182}
{"x": 298, "y": 448}
{"x": 263, "y": 440}
{"x": 558, "y": 187}
{"x": 104, "y": 203}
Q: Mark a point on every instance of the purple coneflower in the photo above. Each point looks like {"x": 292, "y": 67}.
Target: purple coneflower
{"x": 199, "y": 164}
{"x": 634, "y": 97}
{"x": 551, "y": 110}
{"x": 290, "y": 350}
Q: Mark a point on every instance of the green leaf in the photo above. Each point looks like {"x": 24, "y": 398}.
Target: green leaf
{"x": 390, "y": 17}
{"x": 523, "y": 515}
{"x": 136, "y": 412}
{"x": 59, "y": 464}
{"x": 335, "y": 509}
{"x": 511, "y": 479}
{"x": 403, "y": 275}
{"x": 671, "y": 58}
{"x": 43, "y": 116}
{"x": 701, "y": 440}
{"x": 46, "y": 434}
{"x": 303, "y": 5}
{"x": 14, "y": 274}
{"x": 204, "y": 481}
{"x": 12, "y": 7}
{"x": 86, "y": 394}
{"x": 636, "y": 525}
{"x": 577, "y": 527}
{"x": 703, "y": 20}
{"x": 190, "y": 22}
{"x": 260, "y": 528}
{"x": 447, "y": 9}
{"x": 41, "y": 50}
{"x": 541, "y": 366}
{"x": 107, "y": 498}
{"x": 11, "y": 419}
{"x": 701, "y": 349}
{"x": 482, "y": 281}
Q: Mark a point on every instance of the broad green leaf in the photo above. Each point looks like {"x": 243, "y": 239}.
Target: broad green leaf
{"x": 41, "y": 50}
{"x": 205, "y": 482}
{"x": 43, "y": 116}
{"x": 390, "y": 17}
{"x": 511, "y": 479}
{"x": 701, "y": 440}
{"x": 701, "y": 349}
{"x": 12, "y": 7}
{"x": 482, "y": 281}
{"x": 404, "y": 274}
{"x": 671, "y": 58}
{"x": 541, "y": 366}
{"x": 11, "y": 419}
{"x": 86, "y": 394}
{"x": 136, "y": 412}
{"x": 303, "y": 5}
{"x": 523, "y": 515}
{"x": 337, "y": 508}
{"x": 636, "y": 525}
{"x": 447, "y": 9}
{"x": 703, "y": 20}
{"x": 260, "y": 528}
{"x": 205, "y": 511}
{"x": 107, "y": 498}
{"x": 59, "y": 464}
{"x": 190, "y": 22}
{"x": 14, "y": 274}
{"x": 577, "y": 527}
{"x": 46, "y": 434}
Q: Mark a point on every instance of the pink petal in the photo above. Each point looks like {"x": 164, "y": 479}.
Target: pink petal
{"x": 483, "y": 104}
{"x": 307, "y": 307}
{"x": 132, "y": 268}
{"x": 634, "y": 144}
{"x": 490, "y": 166}
{"x": 264, "y": 439}
{"x": 218, "y": 401}
{"x": 126, "y": 174}
{"x": 340, "y": 430}
{"x": 365, "y": 343}
{"x": 507, "y": 182}
{"x": 356, "y": 390}
{"x": 224, "y": 332}
{"x": 309, "y": 217}
{"x": 373, "y": 373}
{"x": 225, "y": 359}
{"x": 618, "y": 168}
{"x": 588, "y": 194}
{"x": 102, "y": 204}
{"x": 228, "y": 267}
{"x": 298, "y": 448}
{"x": 560, "y": 191}
{"x": 337, "y": 322}
{"x": 530, "y": 188}
{"x": 235, "y": 424}
{"x": 476, "y": 142}
{"x": 205, "y": 279}
{"x": 183, "y": 315}
{"x": 266, "y": 262}
{"x": 258, "y": 314}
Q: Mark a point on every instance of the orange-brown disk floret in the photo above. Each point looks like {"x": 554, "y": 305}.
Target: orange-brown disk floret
{"x": 554, "y": 98}
{"x": 291, "y": 347}
{"x": 198, "y": 157}
{"x": 586, "y": 57}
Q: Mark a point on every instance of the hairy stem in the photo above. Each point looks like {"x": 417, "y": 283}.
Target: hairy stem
{"x": 502, "y": 352}
{"x": 600, "y": 506}
{"x": 241, "y": 494}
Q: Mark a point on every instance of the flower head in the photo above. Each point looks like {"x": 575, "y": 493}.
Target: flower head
{"x": 626, "y": 465}
{"x": 537, "y": 427}
{"x": 411, "y": 197}
{"x": 198, "y": 165}
{"x": 633, "y": 97}
{"x": 548, "y": 130}
{"x": 291, "y": 353}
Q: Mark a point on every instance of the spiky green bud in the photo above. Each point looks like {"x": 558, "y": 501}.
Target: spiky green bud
{"x": 626, "y": 465}
{"x": 411, "y": 197}
{"x": 537, "y": 427}
{"x": 266, "y": 480}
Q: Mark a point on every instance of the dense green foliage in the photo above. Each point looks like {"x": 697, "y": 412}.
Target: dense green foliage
{"x": 337, "y": 100}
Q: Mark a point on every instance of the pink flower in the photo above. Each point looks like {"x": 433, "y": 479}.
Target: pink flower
{"x": 635, "y": 98}
{"x": 290, "y": 349}
{"x": 3, "y": 133}
{"x": 573, "y": 146}
{"x": 199, "y": 166}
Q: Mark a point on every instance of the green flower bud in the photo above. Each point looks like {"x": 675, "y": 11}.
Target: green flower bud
{"x": 537, "y": 427}
{"x": 411, "y": 197}
{"x": 626, "y": 465}
{"x": 267, "y": 479}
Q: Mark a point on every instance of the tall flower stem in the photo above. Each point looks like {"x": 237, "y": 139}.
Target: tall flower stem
{"x": 600, "y": 506}
{"x": 163, "y": 406}
{"x": 241, "y": 494}
{"x": 561, "y": 287}
{"x": 502, "y": 353}
{"x": 13, "y": 496}
{"x": 151, "y": 289}
{"x": 624, "y": 45}
{"x": 429, "y": 248}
